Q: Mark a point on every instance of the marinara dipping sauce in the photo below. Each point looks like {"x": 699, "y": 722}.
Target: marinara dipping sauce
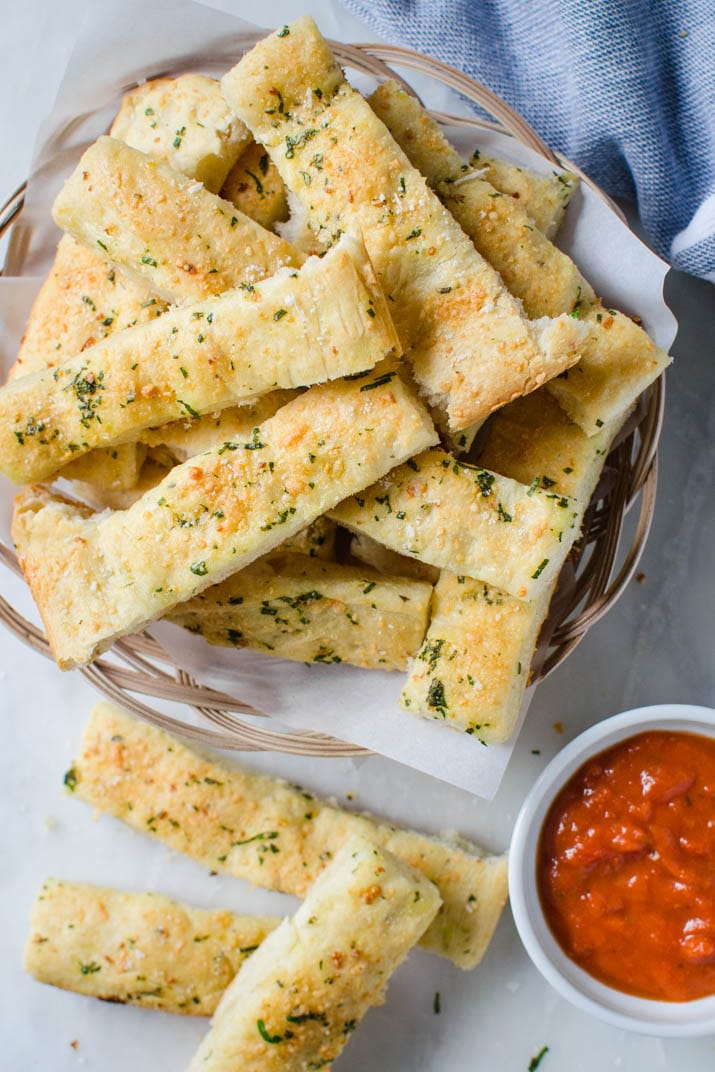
{"x": 626, "y": 866}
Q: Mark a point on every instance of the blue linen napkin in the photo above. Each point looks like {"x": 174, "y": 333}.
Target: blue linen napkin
{"x": 624, "y": 88}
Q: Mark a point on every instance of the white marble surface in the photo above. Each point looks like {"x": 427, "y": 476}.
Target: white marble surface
{"x": 656, "y": 646}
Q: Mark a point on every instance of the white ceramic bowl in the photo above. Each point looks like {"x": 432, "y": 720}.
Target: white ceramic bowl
{"x": 664, "y": 1018}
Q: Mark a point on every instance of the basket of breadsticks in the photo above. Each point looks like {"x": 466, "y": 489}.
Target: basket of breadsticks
{"x": 316, "y": 397}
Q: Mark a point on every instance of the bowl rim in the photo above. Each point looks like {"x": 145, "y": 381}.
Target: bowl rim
{"x": 641, "y": 1015}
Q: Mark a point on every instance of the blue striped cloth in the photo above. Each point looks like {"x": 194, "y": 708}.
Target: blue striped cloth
{"x": 625, "y": 88}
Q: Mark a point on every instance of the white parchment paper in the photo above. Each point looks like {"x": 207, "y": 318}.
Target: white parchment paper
{"x": 134, "y": 41}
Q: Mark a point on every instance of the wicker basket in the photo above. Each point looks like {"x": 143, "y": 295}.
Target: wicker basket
{"x": 138, "y": 667}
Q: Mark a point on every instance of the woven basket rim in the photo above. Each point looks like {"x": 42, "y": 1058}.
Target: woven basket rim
{"x": 138, "y": 666}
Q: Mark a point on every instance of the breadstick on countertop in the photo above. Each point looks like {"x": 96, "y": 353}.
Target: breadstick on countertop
{"x": 278, "y": 836}
{"x": 138, "y": 948}
{"x": 300, "y": 327}
{"x": 298, "y": 999}
{"x": 470, "y": 348}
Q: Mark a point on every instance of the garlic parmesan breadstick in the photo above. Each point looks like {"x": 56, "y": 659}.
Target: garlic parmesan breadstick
{"x": 473, "y": 666}
{"x": 544, "y": 197}
{"x": 296, "y": 1002}
{"x": 469, "y": 346}
{"x": 174, "y": 443}
{"x": 185, "y": 121}
{"x": 325, "y": 320}
{"x": 474, "y": 663}
{"x": 98, "y": 578}
{"x": 83, "y": 300}
{"x": 468, "y": 520}
{"x": 618, "y": 359}
{"x": 245, "y": 823}
{"x": 300, "y": 608}
{"x": 145, "y": 216}
{"x": 500, "y": 227}
{"x": 138, "y": 948}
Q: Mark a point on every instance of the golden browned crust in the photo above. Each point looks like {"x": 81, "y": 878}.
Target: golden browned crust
{"x": 138, "y": 948}
{"x": 325, "y": 320}
{"x": 143, "y": 215}
{"x": 301, "y": 608}
{"x": 95, "y": 579}
{"x": 469, "y": 347}
{"x": 186, "y": 122}
{"x": 259, "y": 828}
{"x": 302, "y": 994}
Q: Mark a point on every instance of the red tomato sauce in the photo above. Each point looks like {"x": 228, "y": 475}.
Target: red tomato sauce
{"x": 626, "y": 866}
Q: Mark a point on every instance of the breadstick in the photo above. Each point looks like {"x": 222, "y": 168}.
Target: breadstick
{"x": 98, "y": 578}
{"x": 145, "y": 216}
{"x": 468, "y": 520}
{"x": 469, "y": 346}
{"x": 185, "y": 121}
{"x": 248, "y": 824}
{"x": 138, "y": 948}
{"x": 544, "y": 197}
{"x": 618, "y": 359}
{"x": 296, "y": 607}
{"x": 474, "y": 663}
{"x": 301, "y": 995}
{"x": 365, "y": 549}
{"x": 499, "y": 226}
{"x": 327, "y": 319}
{"x": 194, "y": 435}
